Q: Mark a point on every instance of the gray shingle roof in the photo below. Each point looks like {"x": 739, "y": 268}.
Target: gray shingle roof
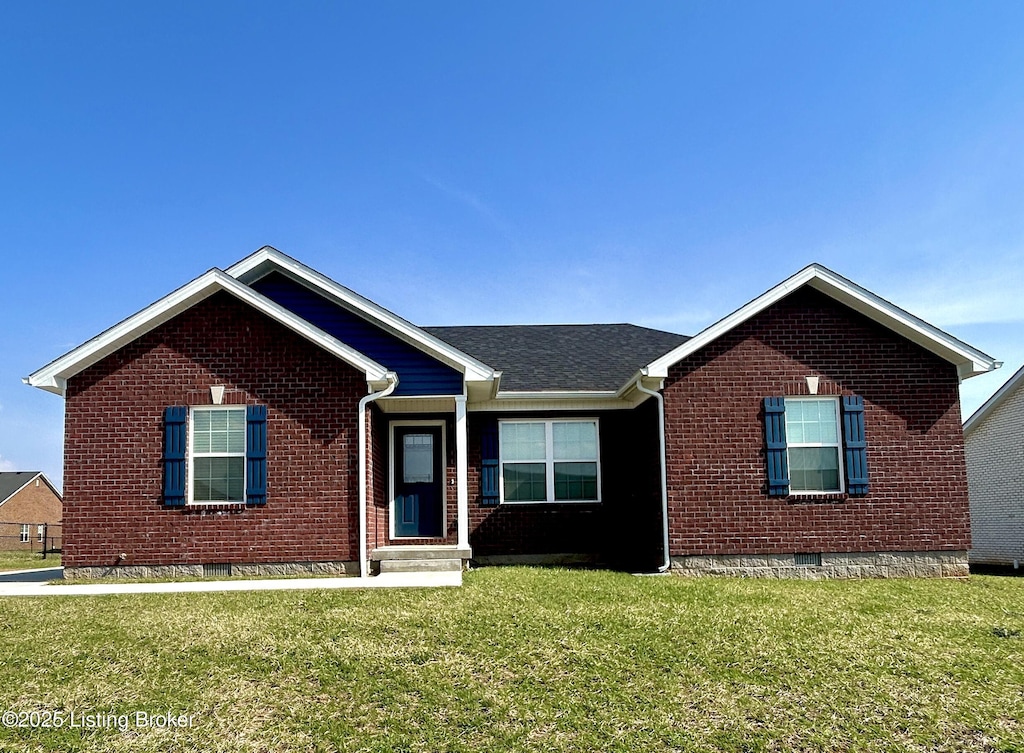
{"x": 548, "y": 357}
{"x": 11, "y": 481}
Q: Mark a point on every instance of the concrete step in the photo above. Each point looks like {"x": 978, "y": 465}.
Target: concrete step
{"x": 433, "y": 565}
{"x": 384, "y": 553}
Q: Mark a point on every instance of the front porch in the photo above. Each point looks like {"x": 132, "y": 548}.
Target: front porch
{"x": 417, "y": 518}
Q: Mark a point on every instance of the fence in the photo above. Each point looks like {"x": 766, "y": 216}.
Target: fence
{"x": 44, "y": 538}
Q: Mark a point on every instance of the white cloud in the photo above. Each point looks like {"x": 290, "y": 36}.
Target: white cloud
{"x": 7, "y": 465}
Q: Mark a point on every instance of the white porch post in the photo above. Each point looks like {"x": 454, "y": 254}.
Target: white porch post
{"x": 462, "y": 470}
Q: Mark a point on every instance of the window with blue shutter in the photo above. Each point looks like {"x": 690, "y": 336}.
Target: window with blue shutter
{"x": 256, "y": 455}
{"x": 775, "y": 444}
{"x": 223, "y": 461}
{"x": 489, "y": 493}
{"x": 856, "y": 445}
{"x": 814, "y": 443}
{"x": 175, "y": 449}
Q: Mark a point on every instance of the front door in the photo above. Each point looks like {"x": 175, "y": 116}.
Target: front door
{"x": 419, "y": 482}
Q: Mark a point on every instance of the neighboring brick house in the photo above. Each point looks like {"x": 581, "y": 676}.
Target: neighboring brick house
{"x": 994, "y": 444}
{"x": 29, "y": 506}
{"x": 264, "y": 418}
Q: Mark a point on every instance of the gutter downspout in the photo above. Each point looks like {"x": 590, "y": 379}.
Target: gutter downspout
{"x": 664, "y": 467}
{"x": 392, "y": 378}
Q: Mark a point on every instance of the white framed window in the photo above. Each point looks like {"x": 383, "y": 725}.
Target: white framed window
{"x": 25, "y": 532}
{"x": 814, "y": 445}
{"x": 41, "y": 533}
{"x": 216, "y": 458}
{"x": 549, "y": 461}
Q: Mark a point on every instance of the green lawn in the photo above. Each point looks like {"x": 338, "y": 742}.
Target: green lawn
{"x": 25, "y": 560}
{"x": 522, "y": 659}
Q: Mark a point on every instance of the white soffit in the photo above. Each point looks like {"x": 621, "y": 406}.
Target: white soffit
{"x": 53, "y": 377}
{"x": 269, "y": 259}
{"x": 969, "y": 361}
{"x": 994, "y": 402}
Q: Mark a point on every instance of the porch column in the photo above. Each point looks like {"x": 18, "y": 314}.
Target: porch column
{"x": 462, "y": 470}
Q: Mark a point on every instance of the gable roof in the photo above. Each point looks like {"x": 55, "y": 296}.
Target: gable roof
{"x": 990, "y": 405}
{"x": 53, "y": 377}
{"x": 268, "y": 259}
{"x": 12, "y": 482}
{"x": 562, "y": 357}
{"x": 968, "y": 360}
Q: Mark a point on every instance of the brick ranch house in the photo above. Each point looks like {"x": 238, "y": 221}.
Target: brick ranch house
{"x": 266, "y": 419}
{"x": 29, "y": 506}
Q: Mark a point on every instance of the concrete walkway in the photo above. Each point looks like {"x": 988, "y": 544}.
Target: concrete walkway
{"x": 36, "y": 583}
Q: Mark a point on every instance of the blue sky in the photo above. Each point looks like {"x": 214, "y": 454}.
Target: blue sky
{"x": 471, "y": 163}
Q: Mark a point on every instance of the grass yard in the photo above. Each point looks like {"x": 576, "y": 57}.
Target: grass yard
{"x": 25, "y": 560}
{"x": 524, "y": 659}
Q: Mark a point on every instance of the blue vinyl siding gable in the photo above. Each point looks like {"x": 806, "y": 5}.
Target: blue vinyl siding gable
{"x": 418, "y": 373}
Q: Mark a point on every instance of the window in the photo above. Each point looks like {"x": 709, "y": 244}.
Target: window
{"x": 41, "y": 533}
{"x": 814, "y": 445}
{"x": 418, "y": 458}
{"x": 217, "y": 455}
{"x": 549, "y": 461}
{"x": 25, "y": 530}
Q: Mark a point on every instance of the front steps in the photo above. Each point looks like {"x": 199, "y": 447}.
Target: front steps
{"x": 418, "y": 559}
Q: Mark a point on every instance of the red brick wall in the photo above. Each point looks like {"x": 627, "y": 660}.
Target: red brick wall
{"x": 34, "y": 503}
{"x": 113, "y": 445}
{"x": 377, "y": 467}
{"x": 715, "y": 433}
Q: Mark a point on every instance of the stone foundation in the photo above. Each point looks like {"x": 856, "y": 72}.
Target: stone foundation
{"x": 248, "y": 570}
{"x": 951, "y": 564}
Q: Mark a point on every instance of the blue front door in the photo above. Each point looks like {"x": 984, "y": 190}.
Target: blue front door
{"x": 419, "y": 482}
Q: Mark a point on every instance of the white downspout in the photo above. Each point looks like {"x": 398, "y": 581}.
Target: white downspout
{"x": 664, "y": 469}
{"x": 392, "y": 378}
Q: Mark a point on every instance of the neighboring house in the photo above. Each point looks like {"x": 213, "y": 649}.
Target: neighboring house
{"x": 29, "y": 505}
{"x": 264, "y": 418}
{"x": 994, "y": 443}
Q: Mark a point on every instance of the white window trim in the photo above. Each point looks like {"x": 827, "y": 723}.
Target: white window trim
{"x": 190, "y": 474}
{"x": 40, "y": 533}
{"x": 413, "y": 423}
{"x": 26, "y": 533}
{"x": 838, "y": 444}
{"x": 549, "y": 461}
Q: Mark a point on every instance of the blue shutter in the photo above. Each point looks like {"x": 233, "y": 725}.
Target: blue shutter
{"x": 489, "y": 496}
{"x": 175, "y": 449}
{"x": 256, "y": 455}
{"x": 775, "y": 442}
{"x": 856, "y": 445}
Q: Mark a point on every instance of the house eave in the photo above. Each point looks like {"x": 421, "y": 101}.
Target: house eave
{"x": 994, "y": 402}
{"x": 555, "y": 400}
{"x": 968, "y": 361}
{"x": 558, "y": 395}
{"x": 53, "y": 377}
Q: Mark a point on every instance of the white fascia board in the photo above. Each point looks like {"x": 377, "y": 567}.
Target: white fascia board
{"x": 53, "y": 377}
{"x": 994, "y": 402}
{"x": 575, "y": 405}
{"x": 969, "y": 361}
{"x": 260, "y": 264}
{"x": 566, "y": 395}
